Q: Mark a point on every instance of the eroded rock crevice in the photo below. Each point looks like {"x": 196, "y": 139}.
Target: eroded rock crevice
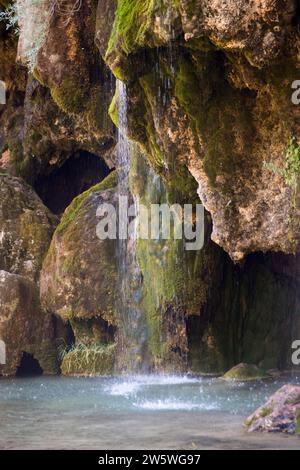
{"x": 79, "y": 173}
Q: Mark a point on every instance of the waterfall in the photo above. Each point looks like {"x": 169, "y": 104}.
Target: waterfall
{"x": 132, "y": 332}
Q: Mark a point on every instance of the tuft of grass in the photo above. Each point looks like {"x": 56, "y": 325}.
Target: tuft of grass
{"x": 88, "y": 360}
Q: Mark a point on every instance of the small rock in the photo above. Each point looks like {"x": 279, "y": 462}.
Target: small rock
{"x": 281, "y": 413}
{"x": 243, "y": 372}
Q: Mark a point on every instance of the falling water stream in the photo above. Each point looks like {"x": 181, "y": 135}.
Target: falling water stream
{"x": 132, "y": 336}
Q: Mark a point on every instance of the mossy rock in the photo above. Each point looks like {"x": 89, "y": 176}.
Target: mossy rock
{"x": 24, "y": 326}
{"x": 73, "y": 210}
{"x": 89, "y": 360}
{"x": 78, "y": 279}
{"x": 245, "y": 372}
{"x": 175, "y": 281}
{"x": 26, "y": 228}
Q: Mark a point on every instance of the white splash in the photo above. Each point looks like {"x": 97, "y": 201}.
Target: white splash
{"x": 173, "y": 404}
{"x": 123, "y": 389}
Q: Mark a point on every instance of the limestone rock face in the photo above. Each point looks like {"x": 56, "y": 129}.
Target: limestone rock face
{"x": 245, "y": 372}
{"x": 37, "y": 135}
{"x": 23, "y": 326}
{"x": 209, "y": 87}
{"x": 217, "y": 100}
{"x": 78, "y": 280}
{"x": 279, "y": 414}
{"x": 202, "y": 310}
{"x": 26, "y": 228}
{"x": 69, "y": 64}
{"x": 51, "y": 135}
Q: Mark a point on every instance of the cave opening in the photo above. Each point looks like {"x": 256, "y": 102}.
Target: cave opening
{"x": 79, "y": 173}
{"x": 29, "y": 366}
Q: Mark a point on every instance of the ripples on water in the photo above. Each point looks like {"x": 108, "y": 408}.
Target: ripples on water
{"x": 59, "y": 412}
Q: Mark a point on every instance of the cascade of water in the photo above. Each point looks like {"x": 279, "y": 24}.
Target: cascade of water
{"x": 132, "y": 329}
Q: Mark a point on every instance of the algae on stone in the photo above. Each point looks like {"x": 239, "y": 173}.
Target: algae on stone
{"x": 245, "y": 372}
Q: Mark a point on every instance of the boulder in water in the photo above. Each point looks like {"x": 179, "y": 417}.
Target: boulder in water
{"x": 244, "y": 372}
{"x": 281, "y": 413}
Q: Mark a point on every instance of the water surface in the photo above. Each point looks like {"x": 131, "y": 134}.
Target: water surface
{"x": 139, "y": 412}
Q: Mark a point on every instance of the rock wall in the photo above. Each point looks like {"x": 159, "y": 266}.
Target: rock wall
{"x": 209, "y": 87}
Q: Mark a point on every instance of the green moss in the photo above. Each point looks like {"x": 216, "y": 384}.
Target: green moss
{"x": 38, "y": 76}
{"x": 119, "y": 72}
{"x": 135, "y": 29}
{"x": 245, "y": 372}
{"x": 72, "y": 211}
{"x": 171, "y": 275}
{"x": 249, "y": 422}
{"x": 83, "y": 360}
{"x": 113, "y": 110}
{"x": 266, "y": 411}
{"x": 133, "y": 19}
{"x": 71, "y": 95}
{"x": 219, "y": 116}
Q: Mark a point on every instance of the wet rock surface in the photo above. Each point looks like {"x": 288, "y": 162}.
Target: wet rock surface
{"x": 279, "y": 414}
